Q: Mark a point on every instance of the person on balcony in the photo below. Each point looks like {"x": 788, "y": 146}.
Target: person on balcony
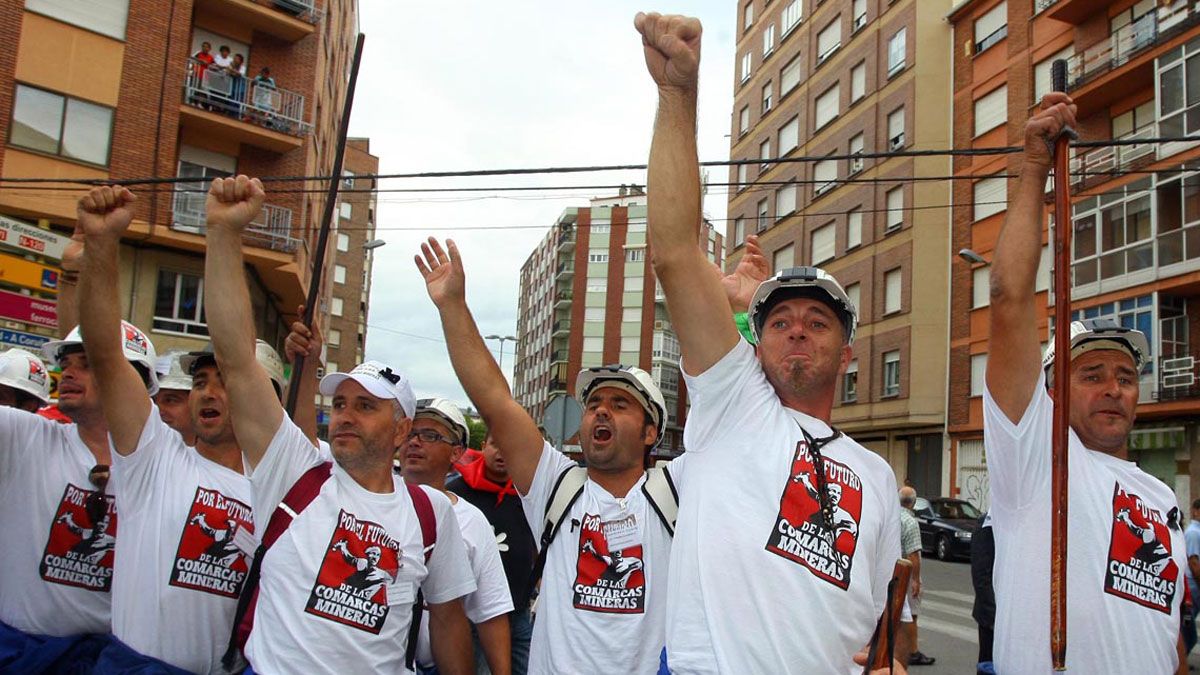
{"x": 264, "y": 97}
{"x": 201, "y": 60}
{"x": 237, "y": 71}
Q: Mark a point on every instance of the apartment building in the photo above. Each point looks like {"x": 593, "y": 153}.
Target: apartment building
{"x": 855, "y": 80}
{"x": 1136, "y": 226}
{"x": 589, "y": 298}
{"x": 117, "y": 89}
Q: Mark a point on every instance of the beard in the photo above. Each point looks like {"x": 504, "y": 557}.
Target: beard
{"x": 802, "y": 379}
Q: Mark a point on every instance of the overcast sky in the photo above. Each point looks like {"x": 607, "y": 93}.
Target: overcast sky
{"x": 485, "y": 85}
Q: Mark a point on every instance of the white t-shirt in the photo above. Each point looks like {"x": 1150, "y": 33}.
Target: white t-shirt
{"x": 185, "y": 547}
{"x": 337, "y": 588}
{"x": 57, "y": 564}
{"x": 756, "y": 586}
{"x": 491, "y": 597}
{"x": 222, "y": 61}
{"x": 1124, "y": 579}
{"x": 602, "y": 606}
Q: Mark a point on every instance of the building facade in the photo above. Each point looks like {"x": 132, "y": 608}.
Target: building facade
{"x": 854, "y": 81}
{"x": 119, "y": 89}
{"x": 589, "y": 298}
{"x": 1135, "y": 221}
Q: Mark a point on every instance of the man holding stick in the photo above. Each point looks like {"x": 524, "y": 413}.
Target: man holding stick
{"x": 788, "y": 531}
{"x": 1125, "y": 543}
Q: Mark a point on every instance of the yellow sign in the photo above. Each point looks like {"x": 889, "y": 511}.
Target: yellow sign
{"x": 22, "y": 272}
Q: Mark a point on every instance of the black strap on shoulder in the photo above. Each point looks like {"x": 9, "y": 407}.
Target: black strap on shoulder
{"x": 555, "y": 517}
{"x": 660, "y": 491}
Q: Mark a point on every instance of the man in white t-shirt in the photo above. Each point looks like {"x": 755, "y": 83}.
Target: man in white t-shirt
{"x": 1124, "y": 542}
{"x": 187, "y": 529}
{"x": 24, "y": 382}
{"x": 602, "y": 605}
{"x": 338, "y": 585}
{"x": 772, "y": 488}
{"x": 439, "y": 435}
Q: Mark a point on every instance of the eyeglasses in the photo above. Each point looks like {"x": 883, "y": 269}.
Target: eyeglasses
{"x": 96, "y": 504}
{"x": 431, "y": 436}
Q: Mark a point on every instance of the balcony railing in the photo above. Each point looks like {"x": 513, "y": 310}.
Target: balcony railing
{"x": 244, "y": 99}
{"x": 562, "y": 325}
{"x": 563, "y": 297}
{"x": 1104, "y": 163}
{"x": 1177, "y": 379}
{"x": 1042, "y": 5}
{"x": 558, "y": 355}
{"x": 271, "y": 229}
{"x": 305, "y": 10}
{"x": 1130, "y": 40}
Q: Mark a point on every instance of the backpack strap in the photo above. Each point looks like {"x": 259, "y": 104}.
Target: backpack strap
{"x": 563, "y": 496}
{"x": 428, "y": 520}
{"x": 663, "y": 497}
{"x": 301, "y": 494}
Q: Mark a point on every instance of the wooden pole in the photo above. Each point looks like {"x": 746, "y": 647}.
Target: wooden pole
{"x": 883, "y": 642}
{"x": 318, "y": 266}
{"x": 1062, "y": 364}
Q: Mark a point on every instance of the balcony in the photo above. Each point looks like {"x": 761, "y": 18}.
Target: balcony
{"x": 272, "y": 229}
{"x": 561, "y": 326}
{"x": 563, "y": 298}
{"x": 566, "y": 239}
{"x": 565, "y": 271}
{"x": 290, "y": 20}
{"x": 1103, "y": 164}
{"x": 558, "y": 355}
{"x": 242, "y": 109}
{"x": 556, "y": 384}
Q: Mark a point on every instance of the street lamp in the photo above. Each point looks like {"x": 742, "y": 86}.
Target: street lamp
{"x": 502, "y": 339}
{"x": 373, "y": 244}
{"x": 972, "y": 257}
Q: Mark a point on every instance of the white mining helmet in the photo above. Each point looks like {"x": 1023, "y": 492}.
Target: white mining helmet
{"x": 628, "y": 378}
{"x": 171, "y": 375}
{"x": 25, "y": 372}
{"x": 266, "y": 356}
{"x": 138, "y": 350}
{"x": 802, "y": 282}
{"x": 1091, "y": 334}
{"x": 442, "y": 410}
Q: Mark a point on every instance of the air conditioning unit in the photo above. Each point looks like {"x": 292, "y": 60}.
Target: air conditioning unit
{"x": 856, "y": 165}
{"x": 896, "y": 142}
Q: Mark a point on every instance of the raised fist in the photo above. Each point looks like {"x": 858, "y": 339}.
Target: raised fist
{"x": 672, "y": 48}
{"x": 233, "y": 202}
{"x": 104, "y": 211}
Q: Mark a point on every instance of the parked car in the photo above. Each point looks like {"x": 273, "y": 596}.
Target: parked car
{"x": 947, "y": 526}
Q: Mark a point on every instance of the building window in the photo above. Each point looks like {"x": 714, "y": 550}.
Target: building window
{"x": 635, "y": 255}
{"x": 789, "y": 136}
{"x": 336, "y": 306}
{"x": 601, "y": 226}
{"x": 764, "y": 154}
{"x": 895, "y": 127}
{"x": 179, "y": 304}
{"x": 768, "y": 41}
{"x": 343, "y": 242}
{"x": 739, "y": 231}
{"x": 1043, "y": 272}
{"x": 768, "y": 93}
{"x": 854, "y": 292}
{"x": 789, "y": 77}
{"x": 978, "y": 373}
{"x": 981, "y": 286}
{"x": 860, "y": 16}
{"x": 334, "y": 337}
{"x": 746, "y": 65}
{"x": 824, "y": 176}
{"x": 339, "y": 274}
{"x": 850, "y": 383}
{"x": 827, "y": 106}
{"x": 891, "y": 373}
{"x": 858, "y": 82}
{"x": 743, "y": 177}
{"x": 345, "y": 210}
{"x": 784, "y": 258}
{"x": 896, "y": 47}
{"x": 744, "y": 121}
{"x": 348, "y": 179}
{"x": 857, "y": 146}
{"x": 891, "y": 291}
{"x": 106, "y": 17}
{"x": 1114, "y": 233}
{"x": 894, "y": 200}
{"x": 593, "y": 344}
{"x": 631, "y": 343}
{"x": 593, "y": 314}
{"x": 61, "y": 125}
{"x": 822, "y": 244}
{"x": 1042, "y": 81}
{"x": 748, "y": 16}
{"x": 854, "y": 228}
{"x": 991, "y": 110}
{"x": 764, "y": 214}
{"x": 597, "y": 285}
{"x": 829, "y": 40}
{"x": 785, "y": 201}
{"x": 990, "y": 196}
{"x": 991, "y": 28}
{"x": 792, "y": 15}
{"x": 596, "y": 256}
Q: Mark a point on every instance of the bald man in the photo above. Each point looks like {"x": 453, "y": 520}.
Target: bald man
{"x": 910, "y": 547}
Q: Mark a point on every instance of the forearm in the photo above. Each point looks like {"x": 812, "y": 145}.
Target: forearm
{"x": 68, "y": 306}
{"x": 673, "y": 179}
{"x": 1019, "y": 246}
{"x": 497, "y": 647}
{"x": 227, "y": 302}
{"x": 1194, "y": 564}
{"x": 915, "y": 559}
{"x": 450, "y": 639}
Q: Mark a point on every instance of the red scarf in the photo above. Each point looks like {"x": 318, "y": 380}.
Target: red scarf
{"x": 471, "y": 466}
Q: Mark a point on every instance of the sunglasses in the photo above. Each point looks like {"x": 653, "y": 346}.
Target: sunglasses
{"x": 430, "y": 436}
{"x": 96, "y": 505}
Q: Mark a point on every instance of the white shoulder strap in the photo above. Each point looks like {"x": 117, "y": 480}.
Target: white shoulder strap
{"x": 562, "y": 496}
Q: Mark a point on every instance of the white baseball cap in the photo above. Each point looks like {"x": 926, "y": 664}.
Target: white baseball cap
{"x": 378, "y": 379}
{"x": 442, "y": 410}
{"x": 24, "y": 371}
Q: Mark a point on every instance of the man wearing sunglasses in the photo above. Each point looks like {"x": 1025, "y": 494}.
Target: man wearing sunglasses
{"x": 437, "y": 440}
{"x": 359, "y": 518}
{"x": 1125, "y": 547}
{"x": 764, "y": 464}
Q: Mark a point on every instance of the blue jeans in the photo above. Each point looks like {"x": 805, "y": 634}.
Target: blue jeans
{"x": 25, "y": 653}
{"x": 520, "y": 627}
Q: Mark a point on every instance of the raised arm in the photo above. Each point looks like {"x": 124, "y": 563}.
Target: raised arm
{"x": 695, "y": 298}
{"x": 1014, "y": 354}
{"x": 256, "y": 412}
{"x": 510, "y": 425}
{"x": 103, "y": 214}
{"x": 68, "y": 284}
{"x": 306, "y": 342}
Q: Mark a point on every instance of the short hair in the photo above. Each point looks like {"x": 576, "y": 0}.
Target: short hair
{"x": 1196, "y": 504}
{"x": 224, "y": 47}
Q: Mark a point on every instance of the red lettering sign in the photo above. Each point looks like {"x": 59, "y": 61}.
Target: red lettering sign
{"x": 38, "y": 311}
{"x": 31, "y": 243}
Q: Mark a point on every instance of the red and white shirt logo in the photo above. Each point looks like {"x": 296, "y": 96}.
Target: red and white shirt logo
{"x": 357, "y": 574}
{"x": 799, "y": 533}
{"x": 79, "y": 552}
{"x": 209, "y": 557}
{"x": 1140, "y": 567}
{"x": 610, "y": 576}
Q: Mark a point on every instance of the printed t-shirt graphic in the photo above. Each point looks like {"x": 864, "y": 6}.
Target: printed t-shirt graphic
{"x": 610, "y": 573}
{"x": 799, "y": 533}
{"x": 1140, "y": 567}
{"x": 208, "y": 558}
{"x": 79, "y": 552}
{"x": 360, "y": 564}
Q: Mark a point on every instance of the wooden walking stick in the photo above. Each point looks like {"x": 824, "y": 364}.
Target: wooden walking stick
{"x": 883, "y": 642}
{"x": 1062, "y": 365}
{"x": 318, "y": 265}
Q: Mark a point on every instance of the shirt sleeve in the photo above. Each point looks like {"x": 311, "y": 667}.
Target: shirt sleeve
{"x": 729, "y": 398}
{"x": 22, "y": 439}
{"x": 551, "y": 465}
{"x": 449, "y": 569}
{"x": 288, "y": 456}
{"x": 491, "y": 597}
{"x": 1018, "y": 455}
{"x": 159, "y": 450}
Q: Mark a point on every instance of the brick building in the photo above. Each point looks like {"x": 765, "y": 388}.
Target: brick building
{"x": 849, "y": 78}
{"x": 108, "y": 89}
{"x": 588, "y": 298}
{"x": 1136, "y": 228}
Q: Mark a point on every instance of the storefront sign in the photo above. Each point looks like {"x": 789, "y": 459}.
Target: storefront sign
{"x": 27, "y": 341}
{"x": 29, "y": 274}
{"x": 31, "y": 239}
{"x": 38, "y": 311}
